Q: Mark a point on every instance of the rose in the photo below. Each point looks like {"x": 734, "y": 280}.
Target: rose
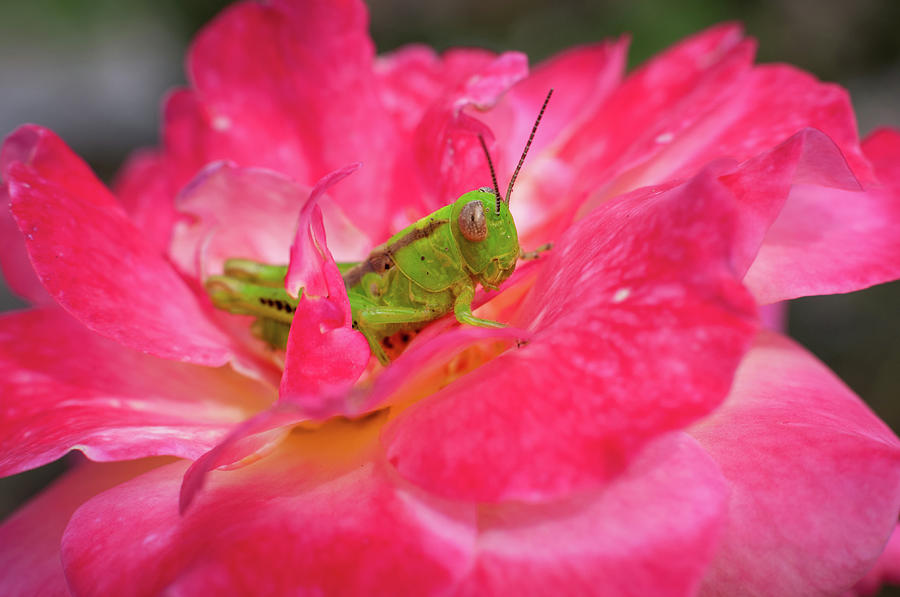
{"x": 558, "y": 466}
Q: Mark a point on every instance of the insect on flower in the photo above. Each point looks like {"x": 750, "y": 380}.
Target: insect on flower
{"x": 420, "y": 274}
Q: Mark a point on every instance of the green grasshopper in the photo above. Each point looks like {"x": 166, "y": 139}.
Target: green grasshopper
{"x": 420, "y": 274}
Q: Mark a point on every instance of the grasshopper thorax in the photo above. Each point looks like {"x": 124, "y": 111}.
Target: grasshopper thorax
{"x": 490, "y": 256}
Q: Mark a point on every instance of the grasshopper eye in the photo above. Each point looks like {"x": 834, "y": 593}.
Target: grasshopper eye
{"x": 471, "y": 221}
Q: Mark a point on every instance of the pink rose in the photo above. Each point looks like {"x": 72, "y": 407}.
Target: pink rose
{"x": 648, "y": 439}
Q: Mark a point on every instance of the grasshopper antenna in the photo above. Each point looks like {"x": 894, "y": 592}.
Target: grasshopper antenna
{"x": 512, "y": 181}
{"x": 491, "y": 166}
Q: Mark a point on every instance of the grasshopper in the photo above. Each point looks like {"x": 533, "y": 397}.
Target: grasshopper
{"x": 420, "y": 274}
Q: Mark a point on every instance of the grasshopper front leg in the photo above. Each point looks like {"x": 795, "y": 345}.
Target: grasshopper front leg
{"x": 462, "y": 309}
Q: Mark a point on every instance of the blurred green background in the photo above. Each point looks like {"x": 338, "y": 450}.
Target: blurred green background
{"x": 95, "y": 70}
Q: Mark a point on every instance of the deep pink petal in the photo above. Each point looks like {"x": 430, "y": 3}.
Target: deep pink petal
{"x": 331, "y": 523}
{"x": 639, "y": 324}
{"x": 814, "y": 474}
{"x": 652, "y": 531}
{"x": 582, "y": 79}
{"x": 96, "y": 264}
{"x": 325, "y": 355}
{"x": 66, "y": 388}
{"x": 30, "y": 538}
{"x": 292, "y": 88}
{"x": 885, "y": 571}
{"x": 882, "y": 148}
{"x": 146, "y": 190}
{"x": 654, "y": 106}
{"x": 447, "y": 152}
{"x": 14, "y": 261}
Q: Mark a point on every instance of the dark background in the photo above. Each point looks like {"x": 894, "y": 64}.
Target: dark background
{"x": 95, "y": 70}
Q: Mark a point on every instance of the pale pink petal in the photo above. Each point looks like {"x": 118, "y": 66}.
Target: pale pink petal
{"x": 638, "y": 323}
{"x": 146, "y": 191}
{"x": 332, "y": 523}
{"x": 827, "y": 241}
{"x": 325, "y": 355}
{"x": 885, "y": 571}
{"x": 67, "y": 388}
{"x": 763, "y": 183}
{"x": 30, "y": 538}
{"x": 96, "y": 264}
{"x": 814, "y": 475}
{"x": 652, "y": 531}
{"x": 293, "y": 89}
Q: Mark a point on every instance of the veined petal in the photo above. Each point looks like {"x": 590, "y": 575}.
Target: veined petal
{"x": 66, "y": 388}
{"x": 639, "y": 323}
{"x": 814, "y": 476}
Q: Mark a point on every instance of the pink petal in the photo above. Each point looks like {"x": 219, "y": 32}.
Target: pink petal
{"x": 827, "y": 241}
{"x": 66, "y": 388}
{"x": 654, "y": 106}
{"x": 29, "y": 539}
{"x": 253, "y": 70}
{"x": 814, "y": 474}
{"x": 448, "y": 154}
{"x": 885, "y": 571}
{"x": 882, "y": 148}
{"x": 652, "y": 531}
{"x": 14, "y": 261}
{"x": 96, "y": 264}
{"x": 325, "y": 355}
{"x": 146, "y": 191}
{"x": 636, "y": 314}
{"x": 314, "y": 518}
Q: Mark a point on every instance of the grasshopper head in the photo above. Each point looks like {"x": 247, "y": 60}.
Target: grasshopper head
{"x": 486, "y": 235}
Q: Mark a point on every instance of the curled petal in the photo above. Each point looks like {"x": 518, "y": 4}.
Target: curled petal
{"x": 638, "y": 324}
{"x": 796, "y": 446}
{"x": 325, "y": 355}
{"x": 885, "y": 571}
{"x": 66, "y": 388}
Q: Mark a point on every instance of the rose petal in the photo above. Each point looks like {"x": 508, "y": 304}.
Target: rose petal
{"x": 815, "y": 477}
{"x": 828, "y": 241}
{"x": 14, "y": 261}
{"x": 337, "y": 522}
{"x": 882, "y": 148}
{"x": 146, "y": 192}
{"x": 29, "y": 539}
{"x": 448, "y": 154}
{"x": 325, "y": 355}
{"x": 885, "y": 571}
{"x": 252, "y": 70}
{"x": 637, "y": 314}
{"x": 652, "y": 531}
{"x": 96, "y": 264}
{"x": 66, "y": 388}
